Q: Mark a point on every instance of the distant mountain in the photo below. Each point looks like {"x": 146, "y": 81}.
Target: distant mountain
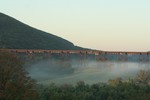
{"x": 17, "y": 35}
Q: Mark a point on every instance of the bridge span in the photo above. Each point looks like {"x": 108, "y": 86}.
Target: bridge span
{"x": 95, "y": 52}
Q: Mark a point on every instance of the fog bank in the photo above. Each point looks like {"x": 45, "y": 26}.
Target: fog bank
{"x": 70, "y": 72}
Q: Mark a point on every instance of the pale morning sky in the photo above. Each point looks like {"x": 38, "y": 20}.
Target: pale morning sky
{"x": 112, "y": 25}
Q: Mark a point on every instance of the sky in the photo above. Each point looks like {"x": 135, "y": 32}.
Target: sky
{"x": 111, "y": 25}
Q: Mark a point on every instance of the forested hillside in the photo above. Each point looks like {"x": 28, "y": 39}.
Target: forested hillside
{"x": 17, "y": 35}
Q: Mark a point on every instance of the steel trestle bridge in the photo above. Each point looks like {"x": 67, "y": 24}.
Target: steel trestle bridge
{"x": 95, "y": 52}
{"x": 99, "y": 55}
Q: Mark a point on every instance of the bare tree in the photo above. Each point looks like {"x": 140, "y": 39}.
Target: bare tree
{"x": 143, "y": 77}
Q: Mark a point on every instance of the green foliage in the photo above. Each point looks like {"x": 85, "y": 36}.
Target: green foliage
{"x": 115, "y": 82}
{"x": 14, "y": 83}
{"x": 116, "y": 89}
{"x": 16, "y": 35}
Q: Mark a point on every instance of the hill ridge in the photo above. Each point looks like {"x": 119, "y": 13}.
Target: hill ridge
{"x": 15, "y": 34}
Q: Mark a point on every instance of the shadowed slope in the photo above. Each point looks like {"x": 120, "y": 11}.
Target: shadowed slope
{"x": 17, "y": 35}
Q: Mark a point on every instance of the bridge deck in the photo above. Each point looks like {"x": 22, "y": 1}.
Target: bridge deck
{"x": 96, "y": 52}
